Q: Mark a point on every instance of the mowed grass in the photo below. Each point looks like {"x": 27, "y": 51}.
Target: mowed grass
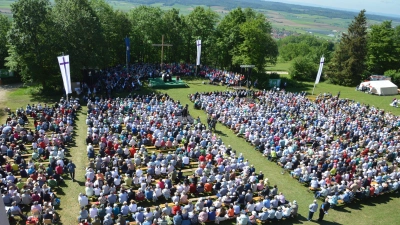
{"x": 380, "y": 210}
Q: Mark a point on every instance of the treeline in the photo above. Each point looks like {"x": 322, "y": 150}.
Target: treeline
{"x": 93, "y": 33}
{"x": 361, "y": 52}
{"x": 267, "y": 5}
{"x": 305, "y": 52}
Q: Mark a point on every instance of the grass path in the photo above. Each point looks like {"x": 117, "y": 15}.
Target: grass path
{"x": 69, "y": 201}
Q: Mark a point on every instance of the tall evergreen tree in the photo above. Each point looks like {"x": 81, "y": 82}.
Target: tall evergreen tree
{"x": 348, "y": 64}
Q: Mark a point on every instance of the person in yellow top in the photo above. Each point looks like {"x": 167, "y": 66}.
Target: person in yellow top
{"x": 273, "y": 155}
{"x": 333, "y": 171}
{"x": 20, "y": 185}
{"x": 128, "y": 180}
{"x": 15, "y": 167}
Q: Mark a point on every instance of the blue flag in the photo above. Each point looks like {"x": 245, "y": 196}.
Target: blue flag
{"x": 127, "y": 44}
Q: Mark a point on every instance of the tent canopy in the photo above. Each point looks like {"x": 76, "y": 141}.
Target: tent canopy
{"x": 381, "y": 87}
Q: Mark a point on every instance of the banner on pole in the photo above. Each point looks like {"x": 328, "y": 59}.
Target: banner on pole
{"x": 63, "y": 62}
{"x": 128, "y": 44}
{"x": 321, "y": 65}
{"x": 198, "y": 44}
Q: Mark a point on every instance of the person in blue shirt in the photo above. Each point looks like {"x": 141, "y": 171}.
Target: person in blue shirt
{"x": 209, "y": 202}
{"x": 134, "y": 131}
{"x": 211, "y": 214}
{"x": 31, "y": 170}
{"x": 116, "y": 210}
{"x": 149, "y": 194}
{"x": 71, "y": 169}
{"x": 236, "y": 208}
{"x": 267, "y": 202}
{"x": 178, "y": 218}
{"x": 139, "y": 216}
{"x": 10, "y": 153}
{"x": 147, "y": 221}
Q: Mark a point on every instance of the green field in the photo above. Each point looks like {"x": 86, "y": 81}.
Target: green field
{"x": 380, "y": 210}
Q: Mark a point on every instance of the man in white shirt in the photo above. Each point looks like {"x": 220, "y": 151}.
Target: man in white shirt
{"x": 83, "y": 200}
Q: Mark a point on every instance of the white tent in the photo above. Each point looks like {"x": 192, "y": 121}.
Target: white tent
{"x": 380, "y": 87}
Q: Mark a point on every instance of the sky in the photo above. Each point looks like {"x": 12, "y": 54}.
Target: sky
{"x": 379, "y": 7}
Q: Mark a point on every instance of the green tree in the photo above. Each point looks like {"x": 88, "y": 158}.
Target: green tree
{"x": 147, "y": 29}
{"x": 348, "y": 64}
{"x": 5, "y": 26}
{"x": 32, "y": 44}
{"x": 228, "y": 36}
{"x": 80, "y": 35}
{"x": 201, "y": 25}
{"x": 382, "y": 52}
{"x": 173, "y": 30}
{"x": 115, "y": 26}
{"x": 303, "y": 69}
{"x": 258, "y": 47}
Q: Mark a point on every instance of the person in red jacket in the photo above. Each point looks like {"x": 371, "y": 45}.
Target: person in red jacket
{"x": 175, "y": 208}
{"x": 59, "y": 170}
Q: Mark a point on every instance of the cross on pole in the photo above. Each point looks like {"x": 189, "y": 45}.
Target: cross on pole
{"x": 65, "y": 69}
{"x": 162, "y": 49}
{"x": 64, "y": 64}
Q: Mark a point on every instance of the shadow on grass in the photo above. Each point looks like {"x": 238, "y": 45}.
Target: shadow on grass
{"x": 220, "y": 133}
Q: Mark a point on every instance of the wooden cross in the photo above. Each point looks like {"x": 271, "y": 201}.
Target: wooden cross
{"x": 162, "y": 49}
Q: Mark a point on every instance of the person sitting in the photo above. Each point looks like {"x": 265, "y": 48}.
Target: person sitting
{"x": 15, "y": 210}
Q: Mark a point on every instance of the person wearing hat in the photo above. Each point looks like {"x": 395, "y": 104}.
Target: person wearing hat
{"x": 313, "y": 207}
{"x": 263, "y": 216}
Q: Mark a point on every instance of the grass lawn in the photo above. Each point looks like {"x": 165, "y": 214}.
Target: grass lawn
{"x": 280, "y": 66}
{"x": 380, "y": 210}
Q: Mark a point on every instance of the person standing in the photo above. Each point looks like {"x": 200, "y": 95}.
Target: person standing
{"x": 313, "y": 207}
{"x": 324, "y": 209}
{"x": 71, "y": 169}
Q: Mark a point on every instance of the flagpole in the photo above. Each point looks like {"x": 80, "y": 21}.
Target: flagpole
{"x": 126, "y": 55}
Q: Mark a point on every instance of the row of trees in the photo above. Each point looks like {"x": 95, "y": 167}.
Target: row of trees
{"x": 305, "y": 52}
{"x": 362, "y": 52}
{"x": 93, "y": 33}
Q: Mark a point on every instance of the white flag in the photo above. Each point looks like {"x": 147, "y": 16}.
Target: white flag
{"x": 321, "y": 65}
{"x": 63, "y": 62}
{"x": 198, "y": 44}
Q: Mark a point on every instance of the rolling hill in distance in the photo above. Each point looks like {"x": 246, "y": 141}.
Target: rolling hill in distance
{"x": 379, "y": 7}
{"x": 323, "y": 18}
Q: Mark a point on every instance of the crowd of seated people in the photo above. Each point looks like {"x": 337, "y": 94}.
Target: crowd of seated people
{"x": 341, "y": 148}
{"x": 33, "y": 142}
{"x": 140, "y": 152}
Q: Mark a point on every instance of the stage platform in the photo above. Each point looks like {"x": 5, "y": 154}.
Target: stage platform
{"x": 159, "y": 83}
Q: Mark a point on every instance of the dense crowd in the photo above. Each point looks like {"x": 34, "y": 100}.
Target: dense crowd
{"x": 341, "y": 148}
{"x": 33, "y": 147}
{"x": 148, "y": 155}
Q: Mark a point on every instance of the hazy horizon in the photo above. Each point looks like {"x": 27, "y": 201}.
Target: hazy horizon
{"x": 380, "y": 7}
